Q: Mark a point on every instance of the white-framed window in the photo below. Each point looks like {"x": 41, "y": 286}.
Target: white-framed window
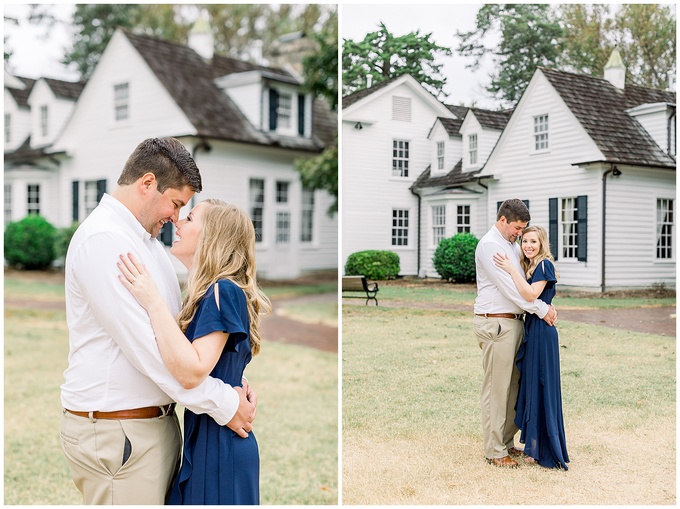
{"x": 8, "y": 204}
{"x": 400, "y": 158}
{"x": 438, "y": 223}
{"x": 462, "y": 218}
{"x": 399, "y": 227}
{"x": 33, "y": 199}
{"x": 541, "y": 132}
{"x": 44, "y": 121}
{"x": 672, "y": 136}
{"x": 283, "y": 227}
{"x": 472, "y": 148}
{"x": 569, "y": 222}
{"x": 440, "y": 155}
{"x": 121, "y": 101}
{"x": 307, "y": 226}
{"x": 8, "y": 128}
{"x": 256, "y": 202}
{"x": 664, "y": 228}
{"x": 284, "y": 110}
{"x": 90, "y": 192}
{"x": 282, "y": 192}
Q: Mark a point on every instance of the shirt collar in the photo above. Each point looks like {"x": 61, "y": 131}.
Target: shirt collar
{"x": 124, "y": 214}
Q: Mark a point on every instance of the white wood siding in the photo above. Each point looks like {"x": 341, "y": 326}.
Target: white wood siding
{"x": 655, "y": 122}
{"x": 369, "y": 192}
{"x": 20, "y": 123}
{"x": 23, "y": 176}
{"x": 249, "y": 99}
{"x": 58, "y": 112}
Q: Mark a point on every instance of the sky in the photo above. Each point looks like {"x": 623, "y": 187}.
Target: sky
{"x": 37, "y": 57}
{"x": 443, "y": 21}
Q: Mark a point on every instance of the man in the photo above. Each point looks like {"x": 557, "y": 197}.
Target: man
{"x": 119, "y": 431}
{"x": 499, "y": 329}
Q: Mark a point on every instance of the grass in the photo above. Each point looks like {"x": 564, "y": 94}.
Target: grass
{"x": 443, "y": 294}
{"x": 296, "y": 425}
{"x": 411, "y": 418}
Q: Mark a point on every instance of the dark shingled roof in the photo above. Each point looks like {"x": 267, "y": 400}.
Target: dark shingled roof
{"x": 21, "y": 96}
{"x": 454, "y": 178}
{"x": 492, "y": 119}
{"x": 459, "y": 111}
{"x": 601, "y": 109}
{"x": 190, "y": 81}
{"x": 65, "y": 89}
{"x": 451, "y": 125}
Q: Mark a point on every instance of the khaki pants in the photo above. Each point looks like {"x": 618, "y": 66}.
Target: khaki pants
{"x": 127, "y": 461}
{"x": 499, "y": 339}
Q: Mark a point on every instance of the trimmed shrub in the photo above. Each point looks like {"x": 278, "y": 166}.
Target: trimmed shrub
{"x": 454, "y": 258}
{"x": 29, "y": 243}
{"x": 373, "y": 264}
{"x": 63, "y": 239}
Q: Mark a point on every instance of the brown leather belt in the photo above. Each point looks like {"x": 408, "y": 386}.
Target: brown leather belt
{"x": 136, "y": 413}
{"x": 501, "y": 315}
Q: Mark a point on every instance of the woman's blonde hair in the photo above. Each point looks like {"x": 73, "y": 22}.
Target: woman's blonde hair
{"x": 529, "y": 266}
{"x": 225, "y": 250}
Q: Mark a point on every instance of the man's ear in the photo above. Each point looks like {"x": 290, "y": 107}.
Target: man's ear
{"x": 147, "y": 182}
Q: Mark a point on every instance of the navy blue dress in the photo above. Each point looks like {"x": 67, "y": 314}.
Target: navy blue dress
{"x": 218, "y": 466}
{"x": 539, "y": 404}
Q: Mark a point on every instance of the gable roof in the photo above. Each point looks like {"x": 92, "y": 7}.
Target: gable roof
{"x": 452, "y": 125}
{"x": 600, "y": 108}
{"x": 459, "y": 111}
{"x": 454, "y": 178}
{"x": 350, "y": 99}
{"x": 189, "y": 79}
{"x": 492, "y": 119}
{"x": 21, "y": 95}
{"x": 65, "y": 89}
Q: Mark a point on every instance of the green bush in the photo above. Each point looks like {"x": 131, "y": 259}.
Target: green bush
{"x": 454, "y": 258}
{"x": 378, "y": 265}
{"x": 63, "y": 239}
{"x": 29, "y": 243}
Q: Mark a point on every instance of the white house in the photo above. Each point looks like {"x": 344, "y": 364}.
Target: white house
{"x": 244, "y": 123}
{"x": 593, "y": 158}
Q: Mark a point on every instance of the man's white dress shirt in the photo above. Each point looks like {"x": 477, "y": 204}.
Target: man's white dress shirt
{"x": 114, "y": 362}
{"x": 496, "y": 292}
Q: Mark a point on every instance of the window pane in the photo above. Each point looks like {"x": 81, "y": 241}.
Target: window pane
{"x": 257, "y": 206}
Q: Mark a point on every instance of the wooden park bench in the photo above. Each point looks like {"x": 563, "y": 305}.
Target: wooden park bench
{"x": 359, "y": 284}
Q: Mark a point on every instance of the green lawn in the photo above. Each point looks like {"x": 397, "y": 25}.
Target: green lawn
{"x": 296, "y": 425}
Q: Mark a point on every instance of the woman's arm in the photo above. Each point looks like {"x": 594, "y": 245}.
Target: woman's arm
{"x": 190, "y": 363}
{"x": 530, "y": 292}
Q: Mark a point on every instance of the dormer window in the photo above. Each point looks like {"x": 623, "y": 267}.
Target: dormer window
{"x": 472, "y": 148}
{"x": 440, "y": 155}
{"x": 121, "y": 101}
{"x": 44, "y": 121}
{"x": 287, "y": 111}
{"x": 672, "y": 140}
{"x": 8, "y": 128}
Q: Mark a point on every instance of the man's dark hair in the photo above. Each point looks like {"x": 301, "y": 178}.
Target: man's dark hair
{"x": 514, "y": 210}
{"x": 168, "y": 160}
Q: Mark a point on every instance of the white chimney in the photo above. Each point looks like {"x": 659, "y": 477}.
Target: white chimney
{"x": 201, "y": 39}
{"x": 615, "y": 71}
{"x": 369, "y": 81}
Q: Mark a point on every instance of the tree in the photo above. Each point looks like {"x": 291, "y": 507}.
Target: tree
{"x": 321, "y": 78}
{"x": 530, "y": 37}
{"x": 588, "y": 37}
{"x": 383, "y": 55}
{"x": 647, "y": 40}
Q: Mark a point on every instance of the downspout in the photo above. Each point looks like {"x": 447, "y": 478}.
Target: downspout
{"x": 616, "y": 172}
{"x": 418, "y": 241}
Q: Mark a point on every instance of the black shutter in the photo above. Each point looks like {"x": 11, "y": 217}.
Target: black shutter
{"x": 166, "y": 234}
{"x": 273, "y": 108}
{"x": 553, "y": 230}
{"x": 75, "y": 203}
{"x": 301, "y": 114}
{"x": 101, "y": 189}
{"x": 582, "y": 228}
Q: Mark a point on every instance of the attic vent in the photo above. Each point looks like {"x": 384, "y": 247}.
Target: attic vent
{"x": 401, "y": 108}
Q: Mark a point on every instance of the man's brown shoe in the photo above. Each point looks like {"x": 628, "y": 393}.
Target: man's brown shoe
{"x": 507, "y": 461}
{"x": 513, "y": 451}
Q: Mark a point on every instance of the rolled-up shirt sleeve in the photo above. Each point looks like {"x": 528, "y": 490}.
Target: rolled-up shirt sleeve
{"x": 128, "y": 324}
{"x": 503, "y": 281}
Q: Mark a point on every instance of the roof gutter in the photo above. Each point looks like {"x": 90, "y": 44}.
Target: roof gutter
{"x": 615, "y": 172}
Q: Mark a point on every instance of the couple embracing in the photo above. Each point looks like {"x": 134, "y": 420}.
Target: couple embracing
{"x": 514, "y": 325}
{"x": 131, "y": 360}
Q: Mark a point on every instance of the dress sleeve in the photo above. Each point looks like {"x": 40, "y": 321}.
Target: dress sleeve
{"x": 231, "y": 316}
{"x": 545, "y": 271}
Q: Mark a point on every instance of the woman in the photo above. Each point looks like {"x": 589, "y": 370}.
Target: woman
{"x": 220, "y": 317}
{"x": 539, "y": 403}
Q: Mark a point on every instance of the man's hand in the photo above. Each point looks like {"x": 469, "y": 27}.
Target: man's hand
{"x": 551, "y": 316}
{"x": 242, "y": 422}
{"x": 251, "y": 395}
